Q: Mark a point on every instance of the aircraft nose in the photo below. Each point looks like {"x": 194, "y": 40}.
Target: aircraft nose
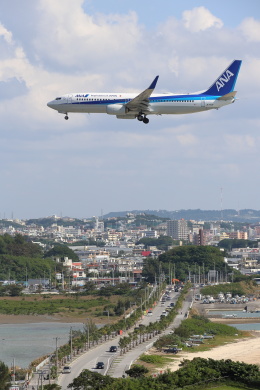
{"x": 50, "y": 104}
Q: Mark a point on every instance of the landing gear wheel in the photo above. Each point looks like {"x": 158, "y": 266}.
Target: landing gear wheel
{"x": 140, "y": 117}
{"x": 146, "y": 120}
{"x": 66, "y": 117}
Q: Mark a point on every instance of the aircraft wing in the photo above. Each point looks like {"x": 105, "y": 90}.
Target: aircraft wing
{"x": 141, "y": 102}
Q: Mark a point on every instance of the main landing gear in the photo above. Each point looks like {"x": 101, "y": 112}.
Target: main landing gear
{"x": 142, "y": 118}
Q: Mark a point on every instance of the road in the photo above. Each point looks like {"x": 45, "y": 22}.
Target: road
{"x": 114, "y": 363}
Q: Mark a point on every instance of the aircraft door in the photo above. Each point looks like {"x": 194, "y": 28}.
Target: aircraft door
{"x": 69, "y": 100}
{"x": 203, "y": 102}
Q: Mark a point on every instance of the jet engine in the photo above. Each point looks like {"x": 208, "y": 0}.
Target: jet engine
{"x": 116, "y": 109}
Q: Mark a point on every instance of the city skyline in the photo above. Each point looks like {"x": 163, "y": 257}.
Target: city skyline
{"x": 96, "y": 162}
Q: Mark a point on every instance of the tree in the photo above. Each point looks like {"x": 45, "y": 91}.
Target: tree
{"x": 89, "y": 287}
{"x": 53, "y": 386}
{"x": 89, "y": 380}
{"x": 62, "y": 251}
{"x": 137, "y": 371}
{"x": 4, "y": 376}
{"x": 19, "y": 246}
{"x": 228, "y": 243}
{"x": 187, "y": 260}
{"x": 12, "y": 289}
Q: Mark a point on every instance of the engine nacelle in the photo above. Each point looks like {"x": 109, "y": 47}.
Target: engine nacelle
{"x": 116, "y": 109}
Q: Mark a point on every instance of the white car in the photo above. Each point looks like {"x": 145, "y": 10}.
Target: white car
{"x": 66, "y": 370}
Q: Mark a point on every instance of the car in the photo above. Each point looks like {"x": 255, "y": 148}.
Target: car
{"x": 113, "y": 348}
{"x": 66, "y": 370}
{"x": 100, "y": 365}
{"x": 171, "y": 350}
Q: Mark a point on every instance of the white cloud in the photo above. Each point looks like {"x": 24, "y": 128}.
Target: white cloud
{"x": 241, "y": 143}
{"x": 250, "y": 27}
{"x": 200, "y": 19}
{"x": 6, "y": 34}
{"x": 68, "y": 50}
{"x": 69, "y": 37}
{"x": 187, "y": 139}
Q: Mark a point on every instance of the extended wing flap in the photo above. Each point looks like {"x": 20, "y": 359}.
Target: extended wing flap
{"x": 141, "y": 101}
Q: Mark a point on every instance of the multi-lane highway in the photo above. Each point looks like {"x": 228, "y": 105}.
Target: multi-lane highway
{"x": 114, "y": 363}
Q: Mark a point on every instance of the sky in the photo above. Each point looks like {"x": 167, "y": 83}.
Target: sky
{"x": 95, "y": 164}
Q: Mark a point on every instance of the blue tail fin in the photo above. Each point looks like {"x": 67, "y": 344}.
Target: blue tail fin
{"x": 225, "y": 83}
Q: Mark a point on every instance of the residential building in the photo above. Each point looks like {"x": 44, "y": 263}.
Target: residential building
{"x": 178, "y": 229}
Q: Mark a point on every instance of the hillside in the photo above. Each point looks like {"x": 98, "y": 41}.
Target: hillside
{"x": 245, "y": 215}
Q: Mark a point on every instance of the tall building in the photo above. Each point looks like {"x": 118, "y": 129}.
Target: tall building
{"x": 178, "y": 229}
{"x": 199, "y": 238}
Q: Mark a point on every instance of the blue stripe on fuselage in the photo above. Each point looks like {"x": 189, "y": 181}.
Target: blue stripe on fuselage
{"x": 154, "y": 99}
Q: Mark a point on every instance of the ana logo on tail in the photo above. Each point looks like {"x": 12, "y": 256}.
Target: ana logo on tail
{"x": 225, "y": 77}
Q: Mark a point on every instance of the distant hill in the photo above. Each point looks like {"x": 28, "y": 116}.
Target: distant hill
{"x": 246, "y": 215}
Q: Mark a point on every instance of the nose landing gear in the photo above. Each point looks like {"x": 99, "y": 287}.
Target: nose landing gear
{"x": 66, "y": 117}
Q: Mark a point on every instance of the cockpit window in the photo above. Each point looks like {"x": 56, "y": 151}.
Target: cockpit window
{"x": 58, "y": 98}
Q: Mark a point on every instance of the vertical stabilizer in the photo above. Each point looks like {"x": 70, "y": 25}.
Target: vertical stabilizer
{"x": 225, "y": 83}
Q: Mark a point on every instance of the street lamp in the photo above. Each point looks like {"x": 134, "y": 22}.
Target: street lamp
{"x": 141, "y": 302}
{"x": 107, "y": 311}
{"x": 87, "y": 325}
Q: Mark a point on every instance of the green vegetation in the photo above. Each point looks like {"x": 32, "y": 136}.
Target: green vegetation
{"x": 155, "y": 359}
{"x": 11, "y": 290}
{"x": 229, "y": 244}
{"x": 62, "y": 251}
{"x": 187, "y": 260}
{"x": 201, "y": 325}
{"x": 18, "y": 246}
{"x": 237, "y": 288}
{"x": 20, "y": 268}
{"x": 4, "y": 376}
{"x": 137, "y": 371}
{"x": 162, "y": 242}
{"x": 41, "y": 305}
{"x": 198, "y": 325}
{"x": 88, "y": 242}
{"x": 21, "y": 259}
{"x": 196, "y": 374}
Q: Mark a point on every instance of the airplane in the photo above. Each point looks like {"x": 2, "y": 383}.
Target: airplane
{"x": 131, "y": 106}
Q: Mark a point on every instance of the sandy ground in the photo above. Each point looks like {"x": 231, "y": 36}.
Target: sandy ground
{"x": 246, "y": 351}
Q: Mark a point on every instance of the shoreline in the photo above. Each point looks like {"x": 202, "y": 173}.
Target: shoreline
{"x": 12, "y": 319}
{"x": 244, "y": 351}
{"x": 235, "y": 320}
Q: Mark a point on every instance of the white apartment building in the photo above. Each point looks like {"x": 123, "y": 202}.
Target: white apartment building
{"x": 178, "y": 229}
{"x": 150, "y": 233}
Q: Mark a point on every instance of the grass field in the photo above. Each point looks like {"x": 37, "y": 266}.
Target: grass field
{"x": 42, "y": 304}
{"x": 224, "y": 387}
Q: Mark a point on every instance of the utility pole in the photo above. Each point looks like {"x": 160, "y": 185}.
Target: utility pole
{"x": 71, "y": 343}
{"x": 57, "y": 338}
{"x": 13, "y": 376}
{"x": 87, "y": 333}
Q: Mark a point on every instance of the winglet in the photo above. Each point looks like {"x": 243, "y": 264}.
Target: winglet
{"x": 153, "y": 85}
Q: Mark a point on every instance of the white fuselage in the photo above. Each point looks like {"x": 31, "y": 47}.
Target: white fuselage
{"x": 114, "y": 103}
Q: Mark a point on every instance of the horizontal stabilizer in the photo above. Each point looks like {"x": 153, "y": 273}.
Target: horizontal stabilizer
{"x": 228, "y": 96}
